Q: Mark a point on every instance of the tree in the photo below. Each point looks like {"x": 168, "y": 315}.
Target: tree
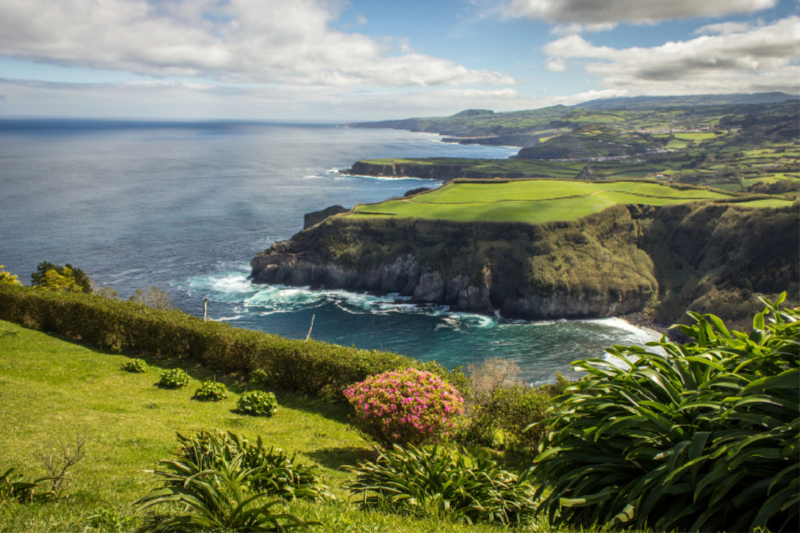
{"x": 57, "y": 277}
{"x": 7, "y": 278}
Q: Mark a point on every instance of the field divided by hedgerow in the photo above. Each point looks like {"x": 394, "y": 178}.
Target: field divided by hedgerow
{"x": 533, "y": 201}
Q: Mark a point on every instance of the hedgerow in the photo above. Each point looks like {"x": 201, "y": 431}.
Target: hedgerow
{"x": 308, "y": 366}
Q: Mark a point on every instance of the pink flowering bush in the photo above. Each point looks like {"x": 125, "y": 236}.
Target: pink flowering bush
{"x": 405, "y": 407}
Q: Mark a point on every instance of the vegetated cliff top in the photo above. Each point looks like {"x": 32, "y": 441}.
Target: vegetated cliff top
{"x": 543, "y": 200}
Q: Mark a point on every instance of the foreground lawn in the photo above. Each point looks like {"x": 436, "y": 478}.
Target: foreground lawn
{"x": 51, "y": 389}
{"x": 532, "y": 201}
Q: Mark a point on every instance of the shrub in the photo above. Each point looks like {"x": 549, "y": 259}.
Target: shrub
{"x": 211, "y": 391}
{"x": 174, "y": 379}
{"x": 309, "y": 367}
{"x": 405, "y": 407}
{"x": 425, "y": 481}
{"x": 216, "y": 500}
{"x": 703, "y": 438}
{"x": 153, "y": 297}
{"x": 274, "y": 472}
{"x": 257, "y": 403}
{"x": 137, "y": 366}
{"x": 8, "y": 278}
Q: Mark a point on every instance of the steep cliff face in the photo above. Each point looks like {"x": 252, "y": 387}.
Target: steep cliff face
{"x": 707, "y": 257}
{"x": 520, "y": 270}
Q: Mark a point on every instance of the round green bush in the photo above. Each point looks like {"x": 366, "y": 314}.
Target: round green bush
{"x": 137, "y": 366}
{"x": 211, "y": 391}
{"x": 174, "y": 379}
{"x": 257, "y": 403}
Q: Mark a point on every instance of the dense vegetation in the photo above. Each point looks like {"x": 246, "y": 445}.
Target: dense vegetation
{"x": 703, "y": 436}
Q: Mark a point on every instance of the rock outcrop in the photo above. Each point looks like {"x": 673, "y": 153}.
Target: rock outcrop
{"x": 622, "y": 260}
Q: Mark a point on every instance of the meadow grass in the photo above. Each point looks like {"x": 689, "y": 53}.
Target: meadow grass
{"x": 532, "y": 201}
{"x": 54, "y": 388}
{"x": 695, "y": 136}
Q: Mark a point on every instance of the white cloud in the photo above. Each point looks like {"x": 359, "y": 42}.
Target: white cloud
{"x": 634, "y": 11}
{"x": 556, "y": 65}
{"x": 242, "y": 41}
{"x": 758, "y": 59}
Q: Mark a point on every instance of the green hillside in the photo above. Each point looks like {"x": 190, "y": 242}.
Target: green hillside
{"x": 535, "y": 201}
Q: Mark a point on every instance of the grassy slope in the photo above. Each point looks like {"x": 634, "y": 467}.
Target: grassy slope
{"x": 534, "y": 201}
{"x": 51, "y": 388}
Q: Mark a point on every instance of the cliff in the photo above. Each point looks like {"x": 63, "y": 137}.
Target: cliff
{"x": 624, "y": 259}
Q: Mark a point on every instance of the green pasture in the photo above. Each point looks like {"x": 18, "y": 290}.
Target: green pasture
{"x": 771, "y": 202}
{"x": 533, "y": 201}
{"x": 695, "y": 136}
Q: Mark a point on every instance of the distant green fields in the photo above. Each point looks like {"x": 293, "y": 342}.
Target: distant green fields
{"x": 532, "y": 201}
{"x": 699, "y": 136}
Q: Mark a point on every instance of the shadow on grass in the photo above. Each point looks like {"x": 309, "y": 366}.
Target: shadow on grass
{"x": 335, "y": 458}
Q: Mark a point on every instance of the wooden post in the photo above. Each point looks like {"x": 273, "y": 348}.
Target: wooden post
{"x": 205, "y": 309}
{"x": 312, "y": 326}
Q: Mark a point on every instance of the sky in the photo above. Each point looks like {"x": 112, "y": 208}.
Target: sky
{"x": 337, "y": 60}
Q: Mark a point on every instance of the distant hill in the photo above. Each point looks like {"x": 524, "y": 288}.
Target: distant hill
{"x": 527, "y": 128}
{"x": 640, "y": 102}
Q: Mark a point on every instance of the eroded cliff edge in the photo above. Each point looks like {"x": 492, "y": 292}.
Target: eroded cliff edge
{"x": 625, "y": 259}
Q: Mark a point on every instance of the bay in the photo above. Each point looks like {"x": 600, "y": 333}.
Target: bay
{"x": 185, "y": 206}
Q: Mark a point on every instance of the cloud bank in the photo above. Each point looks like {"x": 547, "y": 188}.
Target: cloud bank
{"x": 739, "y": 58}
{"x": 633, "y": 11}
{"x": 238, "y": 41}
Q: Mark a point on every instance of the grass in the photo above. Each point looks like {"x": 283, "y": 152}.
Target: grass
{"x": 695, "y": 136}
{"x": 532, "y": 201}
{"x": 52, "y": 388}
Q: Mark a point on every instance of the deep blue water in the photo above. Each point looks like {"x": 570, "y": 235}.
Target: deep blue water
{"x": 185, "y": 207}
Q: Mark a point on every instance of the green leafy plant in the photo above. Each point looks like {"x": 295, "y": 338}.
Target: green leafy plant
{"x": 702, "y": 438}
{"x": 275, "y": 473}
{"x": 436, "y": 480}
{"x": 136, "y": 366}
{"x": 173, "y": 379}
{"x": 257, "y": 403}
{"x": 218, "y": 500}
{"x": 211, "y": 391}
{"x": 405, "y": 407}
{"x": 14, "y": 489}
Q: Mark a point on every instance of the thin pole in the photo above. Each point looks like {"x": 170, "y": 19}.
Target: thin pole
{"x": 205, "y": 309}
{"x": 312, "y": 327}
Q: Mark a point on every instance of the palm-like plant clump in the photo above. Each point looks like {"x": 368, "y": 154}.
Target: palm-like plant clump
{"x": 704, "y": 437}
{"x": 220, "y": 499}
{"x": 438, "y": 481}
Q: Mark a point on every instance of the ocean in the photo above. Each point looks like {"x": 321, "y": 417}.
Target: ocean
{"x": 186, "y": 206}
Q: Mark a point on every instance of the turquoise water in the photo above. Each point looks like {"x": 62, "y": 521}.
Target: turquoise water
{"x": 186, "y": 206}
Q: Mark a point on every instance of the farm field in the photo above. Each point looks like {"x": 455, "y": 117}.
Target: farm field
{"x": 532, "y": 201}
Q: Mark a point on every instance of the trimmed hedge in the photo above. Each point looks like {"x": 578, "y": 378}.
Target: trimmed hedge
{"x": 308, "y": 366}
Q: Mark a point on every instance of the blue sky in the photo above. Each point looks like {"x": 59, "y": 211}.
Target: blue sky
{"x": 370, "y": 60}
